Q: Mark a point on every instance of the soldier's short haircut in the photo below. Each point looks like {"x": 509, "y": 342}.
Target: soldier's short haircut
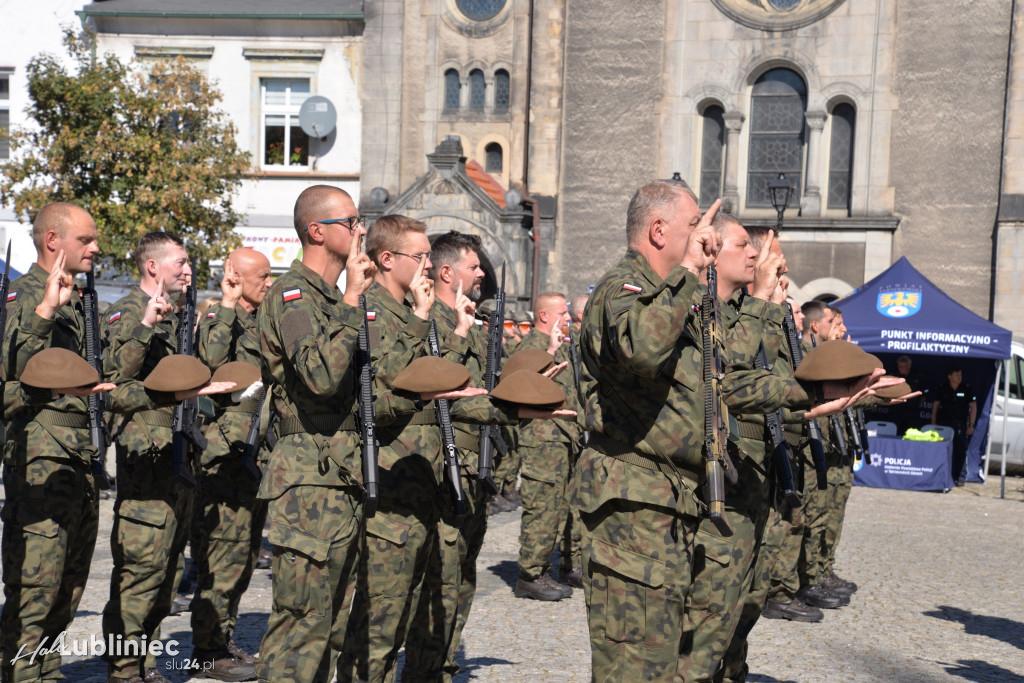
{"x": 311, "y": 205}
{"x": 654, "y": 196}
{"x": 577, "y": 305}
{"x": 835, "y": 311}
{"x": 757, "y": 235}
{"x": 544, "y": 299}
{"x": 447, "y": 250}
{"x": 722, "y": 221}
{"x": 814, "y": 311}
{"x": 152, "y": 245}
{"x": 388, "y": 232}
{"x": 55, "y": 217}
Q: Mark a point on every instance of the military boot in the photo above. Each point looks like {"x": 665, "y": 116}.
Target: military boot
{"x": 794, "y": 610}
{"x": 850, "y": 585}
{"x": 154, "y": 676}
{"x": 836, "y": 587}
{"x": 222, "y": 666}
{"x": 540, "y": 589}
{"x": 236, "y": 650}
{"x": 573, "y": 577}
{"x": 816, "y": 596}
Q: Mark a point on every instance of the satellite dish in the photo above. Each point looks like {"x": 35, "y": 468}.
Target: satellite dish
{"x": 317, "y": 116}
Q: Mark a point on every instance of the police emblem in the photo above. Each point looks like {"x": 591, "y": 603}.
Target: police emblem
{"x": 899, "y": 303}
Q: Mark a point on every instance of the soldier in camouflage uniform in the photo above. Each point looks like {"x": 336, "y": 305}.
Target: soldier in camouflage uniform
{"x": 547, "y": 450}
{"x": 151, "y": 511}
{"x": 51, "y": 513}
{"x": 227, "y": 513}
{"x": 724, "y": 566}
{"x": 411, "y": 543}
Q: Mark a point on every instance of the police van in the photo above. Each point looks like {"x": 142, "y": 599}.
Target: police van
{"x": 1012, "y": 426}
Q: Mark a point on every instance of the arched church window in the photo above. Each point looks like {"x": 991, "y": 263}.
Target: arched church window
{"x": 501, "y": 91}
{"x": 477, "y": 86}
{"x": 840, "y": 164}
{"x": 712, "y": 157}
{"x": 480, "y": 10}
{"x": 777, "y": 107}
{"x": 494, "y": 158}
{"x": 452, "y": 90}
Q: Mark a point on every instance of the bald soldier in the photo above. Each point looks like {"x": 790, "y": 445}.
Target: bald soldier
{"x": 228, "y": 515}
{"x": 51, "y": 512}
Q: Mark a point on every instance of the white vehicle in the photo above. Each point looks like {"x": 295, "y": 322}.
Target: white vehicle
{"x": 1013, "y": 424}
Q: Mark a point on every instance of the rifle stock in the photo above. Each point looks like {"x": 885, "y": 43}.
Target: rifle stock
{"x": 252, "y": 439}
{"x": 716, "y": 459}
{"x": 98, "y": 435}
{"x": 782, "y": 453}
{"x": 490, "y": 437}
{"x": 367, "y": 417}
{"x": 184, "y": 425}
{"x": 451, "y": 455}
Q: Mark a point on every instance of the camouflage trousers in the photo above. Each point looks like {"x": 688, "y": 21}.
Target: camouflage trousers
{"x": 428, "y": 657}
{"x": 723, "y": 573}
{"x": 147, "y": 543}
{"x": 638, "y": 535}
{"x": 506, "y": 472}
{"x": 230, "y": 533}
{"x": 545, "y": 473}
{"x": 839, "y": 495}
{"x": 778, "y": 533}
{"x": 408, "y": 555}
{"x": 50, "y": 520}
{"x": 315, "y": 532}
{"x": 816, "y": 515}
{"x": 571, "y": 539}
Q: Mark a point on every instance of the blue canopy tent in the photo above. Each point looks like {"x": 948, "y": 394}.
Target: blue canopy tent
{"x": 901, "y": 312}
{"x": 13, "y": 274}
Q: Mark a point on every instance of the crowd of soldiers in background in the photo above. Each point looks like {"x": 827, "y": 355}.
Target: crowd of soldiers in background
{"x": 352, "y": 589}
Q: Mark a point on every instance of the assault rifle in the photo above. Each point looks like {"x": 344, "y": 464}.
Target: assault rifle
{"x": 185, "y": 424}
{"x": 782, "y": 453}
{"x": 837, "y": 425}
{"x": 366, "y": 418}
{"x": 862, "y": 426}
{"x": 451, "y": 456}
{"x": 490, "y": 436}
{"x": 859, "y": 452}
{"x": 813, "y": 431}
{"x": 98, "y": 435}
{"x": 716, "y": 458}
{"x": 252, "y": 439}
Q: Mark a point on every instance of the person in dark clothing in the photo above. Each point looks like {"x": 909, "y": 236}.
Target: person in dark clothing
{"x": 956, "y": 405}
{"x": 908, "y": 414}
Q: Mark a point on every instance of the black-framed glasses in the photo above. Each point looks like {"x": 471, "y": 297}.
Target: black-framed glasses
{"x": 351, "y": 222}
{"x": 418, "y": 257}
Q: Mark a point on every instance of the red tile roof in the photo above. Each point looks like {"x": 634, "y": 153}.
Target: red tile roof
{"x": 486, "y": 181}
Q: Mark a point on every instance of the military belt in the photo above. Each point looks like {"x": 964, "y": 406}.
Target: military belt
{"x": 57, "y": 418}
{"x": 794, "y": 438}
{"x": 614, "y": 449}
{"x": 427, "y": 416}
{"x": 156, "y": 418}
{"x": 750, "y": 430}
{"x": 243, "y": 407}
{"x": 324, "y": 423}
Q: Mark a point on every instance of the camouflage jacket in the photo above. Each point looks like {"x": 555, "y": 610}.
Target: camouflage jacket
{"x": 26, "y": 335}
{"x": 132, "y": 351}
{"x": 226, "y": 335}
{"x": 641, "y": 346}
{"x": 533, "y": 433}
{"x": 308, "y": 341}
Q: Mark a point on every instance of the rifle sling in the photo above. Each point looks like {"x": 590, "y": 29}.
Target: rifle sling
{"x": 155, "y": 418}
{"x": 467, "y": 442}
{"x": 243, "y": 407}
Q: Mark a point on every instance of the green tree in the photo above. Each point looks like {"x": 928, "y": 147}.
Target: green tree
{"x": 141, "y": 149}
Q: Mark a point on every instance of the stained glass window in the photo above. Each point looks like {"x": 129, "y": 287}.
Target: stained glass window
{"x": 712, "y": 155}
{"x": 476, "y": 90}
{"x": 840, "y": 165}
{"x": 501, "y": 91}
{"x": 480, "y": 10}
{"x": 494, "y": 158}
{"x": 777, "y": 107}
{"x": 452, "y": 90}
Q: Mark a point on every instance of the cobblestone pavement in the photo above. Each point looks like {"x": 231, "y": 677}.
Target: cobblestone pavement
{"x": 941, "y": 598}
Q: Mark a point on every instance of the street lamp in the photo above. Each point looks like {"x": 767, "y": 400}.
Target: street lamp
{"x": 780, "y": 191}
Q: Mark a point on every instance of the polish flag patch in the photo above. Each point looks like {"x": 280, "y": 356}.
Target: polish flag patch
{"x": 211, "y": 315}
{"x": 114, "y": 318}
{"x": 371, "y": 315}
{"x": 293, "y": 294}
{"x": 632, "y": 288}
{"x": 12, "y": 296}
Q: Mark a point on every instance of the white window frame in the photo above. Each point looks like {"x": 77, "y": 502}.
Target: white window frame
{"x": 290, "y": 112}
{"x": 5, "y": 105}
